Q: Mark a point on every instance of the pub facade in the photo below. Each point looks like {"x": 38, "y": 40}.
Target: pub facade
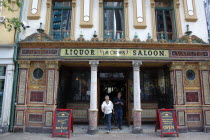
{"x": 77, "y": 51}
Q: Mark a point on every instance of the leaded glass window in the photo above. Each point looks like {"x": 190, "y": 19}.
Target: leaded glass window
{"x": 61, "y": 20}
{"x": 113, "y": 19}
{"x": 165, "y": 20}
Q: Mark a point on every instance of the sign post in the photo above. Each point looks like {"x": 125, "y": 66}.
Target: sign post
{"x": 63, "y": 122}
{"x": 166, "y": 121}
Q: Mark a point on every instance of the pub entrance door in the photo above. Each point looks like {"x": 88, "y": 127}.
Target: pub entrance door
{"x": 110, "y": 84}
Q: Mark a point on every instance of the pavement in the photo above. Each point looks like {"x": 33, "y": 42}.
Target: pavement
{"x": 115, "y": 134}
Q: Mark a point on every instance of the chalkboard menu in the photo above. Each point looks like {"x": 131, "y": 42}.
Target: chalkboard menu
{"x": 63, "y": 122}
{"x": 166, "y": 121}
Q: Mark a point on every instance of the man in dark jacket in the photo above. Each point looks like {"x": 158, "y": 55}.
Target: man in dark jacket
{"x": 118, "y": 108}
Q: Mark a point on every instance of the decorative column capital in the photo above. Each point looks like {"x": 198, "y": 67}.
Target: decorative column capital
{"x": 49, "y": 2}
{"x": 177, "y": 65}
{"x": 52, "y": 64}
{"x": 94, "y": 65}
{"x": 136, "y": 65}
{"x": 73, "y": 3}
{"x": 177, "y": 3}
{"x": 100, "y": 3}
{"x": 24, "y": 64}
{"x": 203, "y": 65}
{"x": 152, "y": 3}
{"x": 126, "y": 3}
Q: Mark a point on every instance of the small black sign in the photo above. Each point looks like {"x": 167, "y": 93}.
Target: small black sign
{"x": 167, "y": 121}
{"x": 62, "y": 122}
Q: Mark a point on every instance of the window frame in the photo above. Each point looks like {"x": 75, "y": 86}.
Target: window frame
{"x": 114, "y": 8}
{"x": 52, "y": 18}
{"x": 3, "y": 78}
{"x": 163, "y": 9}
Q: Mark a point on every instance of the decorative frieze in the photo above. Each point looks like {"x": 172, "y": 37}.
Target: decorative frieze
{"x": 24, "y": 64}
{"x": 179, "y": 87}
{"x": 22, "y": 88}
{"x": 205, "y": 86}
{"x": 50, "y": 86}
{"x": 20, "y": 118}
{"x": 193, "y": 117}
{"x": 192, "y": 97}
{"x": 35, "y": 118}
{"x": 52, "y": 64}
{"x": 48, "y": 119}
{"x": 207, "y": 113}
{"x": 37, "y": 96}
{"x": 177, "y": 65}
{"x": 181, "y": 118}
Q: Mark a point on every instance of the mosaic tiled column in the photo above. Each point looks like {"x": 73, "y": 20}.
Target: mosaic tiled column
{"x": 205, "y": 89}
{"x": 93, "y": 111}
{"x": 137, "y": 98}
{"x": 52, "y": 78}
{"x": 176, "y": 77}
{"x": 21, "y": 96}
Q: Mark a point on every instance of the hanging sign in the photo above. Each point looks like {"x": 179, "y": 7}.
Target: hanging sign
{"x": 166, "y": 122}
{"x": 63, "y": 122}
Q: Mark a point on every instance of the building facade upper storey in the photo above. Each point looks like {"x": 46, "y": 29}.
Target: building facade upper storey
{"x": 120, "y": 19}
{"x": 74, "y": 52}
{"x": 7, "y": 45}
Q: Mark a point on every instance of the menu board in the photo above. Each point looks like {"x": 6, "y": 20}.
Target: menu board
{"x": 62, "y": 124}
{"x": 166, "y": 121}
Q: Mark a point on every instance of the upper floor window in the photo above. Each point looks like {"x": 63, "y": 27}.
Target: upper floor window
{"x": 165, "y": 20}
{"x": 113, "y": 19}
{"x": 61, "y": 21}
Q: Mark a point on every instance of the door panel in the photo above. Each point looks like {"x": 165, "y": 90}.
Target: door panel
{"x": 128, "y": 101}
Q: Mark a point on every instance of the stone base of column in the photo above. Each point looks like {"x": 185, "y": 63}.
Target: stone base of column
{"x": 93, "y": 122}
{"x": 137, "y": 122}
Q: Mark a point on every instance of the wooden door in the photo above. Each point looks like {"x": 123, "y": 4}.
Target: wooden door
{"x": 128, "y": 101}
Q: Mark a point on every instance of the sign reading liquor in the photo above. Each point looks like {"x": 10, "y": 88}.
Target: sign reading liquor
{"x": 63, "y": 122}
{"x": 166, "y": 121}
{"x": 116, "y": 53}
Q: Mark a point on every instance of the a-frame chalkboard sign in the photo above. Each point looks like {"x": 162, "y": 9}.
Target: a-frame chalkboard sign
{"x": 63, "y": 122}
{"x": 166, "y": 122}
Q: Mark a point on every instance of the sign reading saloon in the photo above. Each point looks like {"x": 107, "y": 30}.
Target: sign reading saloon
{"x": 121, "y": 53}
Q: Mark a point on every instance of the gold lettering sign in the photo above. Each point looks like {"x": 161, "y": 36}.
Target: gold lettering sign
{"x": 117, "y": 53}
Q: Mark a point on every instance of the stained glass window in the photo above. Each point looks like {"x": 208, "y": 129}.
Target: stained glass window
{"x": 165, "y": 20}
{"x": 61, "y": 24}
{"x": 113, "y": 19}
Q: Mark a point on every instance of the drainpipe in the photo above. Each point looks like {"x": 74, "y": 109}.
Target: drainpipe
{"x": 15, "y": 79}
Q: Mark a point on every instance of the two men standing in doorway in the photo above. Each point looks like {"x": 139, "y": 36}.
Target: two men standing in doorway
{"x": 118, "y": 109}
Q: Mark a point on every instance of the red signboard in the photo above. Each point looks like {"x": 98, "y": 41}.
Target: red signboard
{"x": 63, "y": 122}
{"x": 166, "y": 122}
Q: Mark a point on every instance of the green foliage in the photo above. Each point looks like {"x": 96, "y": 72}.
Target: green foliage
{"x": 11, "y": 23}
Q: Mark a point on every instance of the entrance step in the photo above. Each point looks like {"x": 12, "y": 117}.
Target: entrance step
{"x": 82, "y": 129}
